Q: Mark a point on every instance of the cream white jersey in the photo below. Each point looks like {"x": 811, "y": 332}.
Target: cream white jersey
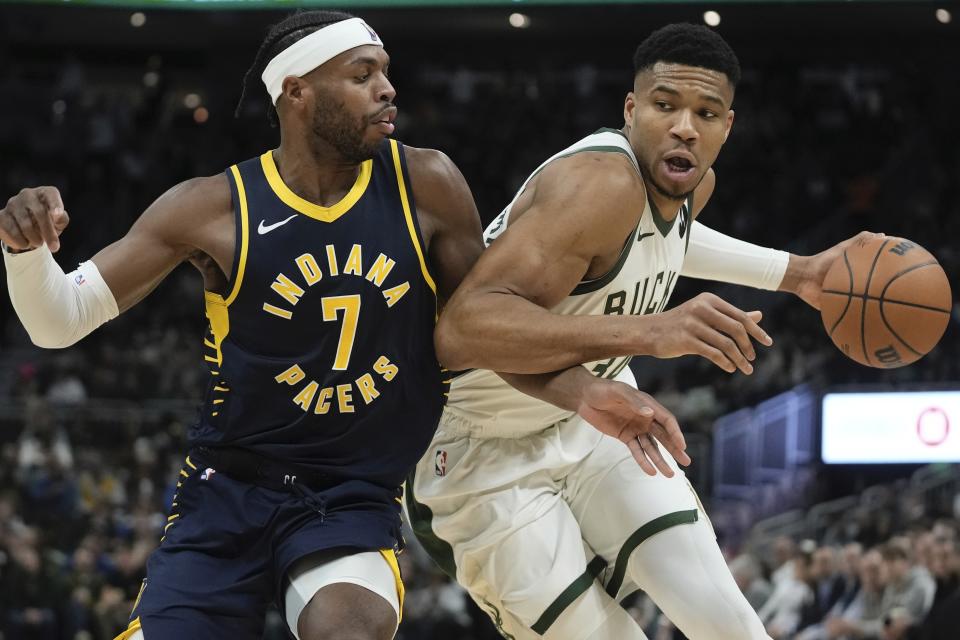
{"x": 639, "y": 283}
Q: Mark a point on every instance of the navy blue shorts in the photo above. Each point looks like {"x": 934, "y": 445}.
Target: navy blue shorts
{"x": 228, "y": 546}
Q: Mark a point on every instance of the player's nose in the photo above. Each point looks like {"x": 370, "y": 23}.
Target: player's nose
{"x": 683, "y": 126}
{"x": 386, "y": 91}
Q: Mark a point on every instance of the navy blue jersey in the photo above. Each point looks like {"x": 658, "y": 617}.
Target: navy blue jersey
{"x": 321, "y": 353}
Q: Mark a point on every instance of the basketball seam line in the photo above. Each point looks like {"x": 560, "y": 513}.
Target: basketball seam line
{"x": 863, "y": 310}
{"x": 883, "y": 317}
{"x": 904, "y": 272}
{"x": 847, "y": 307}
{"x": 886, "y": 301}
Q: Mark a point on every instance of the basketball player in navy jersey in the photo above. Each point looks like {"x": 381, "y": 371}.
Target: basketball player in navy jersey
{"x": 322, "y": 262}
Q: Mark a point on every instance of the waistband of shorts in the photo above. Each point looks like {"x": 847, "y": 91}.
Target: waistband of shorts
{"x": 456, "y": 424}
{"x": 248, "y": 466}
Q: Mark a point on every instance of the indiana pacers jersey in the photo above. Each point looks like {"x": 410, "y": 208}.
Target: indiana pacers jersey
{"x": 321, "y": 353}
{"x": 639, "y": 283}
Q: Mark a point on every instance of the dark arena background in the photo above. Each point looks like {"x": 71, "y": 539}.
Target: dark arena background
{"x": 847, "y": 118}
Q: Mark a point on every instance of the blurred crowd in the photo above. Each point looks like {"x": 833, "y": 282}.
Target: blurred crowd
{"x": 91, "y": 438}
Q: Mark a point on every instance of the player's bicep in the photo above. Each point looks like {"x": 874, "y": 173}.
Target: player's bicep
{"x": 533, "y": 261}
{"x": 581, "y": 210}
{"x": 156, "y": 243}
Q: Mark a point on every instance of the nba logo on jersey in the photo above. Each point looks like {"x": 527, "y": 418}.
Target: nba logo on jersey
{"x": 440, "y": 463}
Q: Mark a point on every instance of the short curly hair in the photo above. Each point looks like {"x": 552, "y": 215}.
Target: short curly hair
{"x": 691, "y": 44}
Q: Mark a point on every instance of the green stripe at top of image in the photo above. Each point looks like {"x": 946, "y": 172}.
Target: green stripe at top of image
{"x": 389, "y": 4}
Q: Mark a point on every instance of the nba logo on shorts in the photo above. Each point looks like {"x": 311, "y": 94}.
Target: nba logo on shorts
{"x": 207, "y": 473}
{"x": 440, "y": 463}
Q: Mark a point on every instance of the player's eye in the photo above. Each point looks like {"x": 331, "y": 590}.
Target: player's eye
{"x": 665, "y": 106}
{"x": 363, "y": 77}
{"x": 707, "y": 114}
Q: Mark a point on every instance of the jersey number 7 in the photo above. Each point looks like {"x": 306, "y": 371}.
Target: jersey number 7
{"x": 350, "y": 305}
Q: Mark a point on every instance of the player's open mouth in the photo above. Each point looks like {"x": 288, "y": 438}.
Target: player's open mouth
{"x": 679, "y": 165}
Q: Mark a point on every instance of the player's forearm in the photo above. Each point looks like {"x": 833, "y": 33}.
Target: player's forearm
{"x": 562, "y": 389}
{"x": 507, "y": 333}
{"x": 57, "y": 309}
{"x": 712, "y": 255}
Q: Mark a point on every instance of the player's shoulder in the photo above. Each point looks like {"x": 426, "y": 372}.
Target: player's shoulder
{"x": 213, "y": 190}
{"x": 187, "y": 208}
{"x": 436, "y": 181}
{"x": 592, "y": 176}
{"x": 430, "y": 165}
{"x": 203, "y": 196}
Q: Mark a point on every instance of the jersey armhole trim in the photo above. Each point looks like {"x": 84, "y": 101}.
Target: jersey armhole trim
{"x": 408, "y": 214}
{"x": 589, "y": 286}
{"x": 241, "y": 244}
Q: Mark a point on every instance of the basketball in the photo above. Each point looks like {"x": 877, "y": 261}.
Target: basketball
{"x": 886, "y": 302}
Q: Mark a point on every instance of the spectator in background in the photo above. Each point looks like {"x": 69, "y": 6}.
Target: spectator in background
{"x": 781, "y": 614}
{"x": 907, "y": 597}
{"x": 30, "y": 591}
{"x": 850, "y": 572}
{"x": 827, "y": 585}
{"x": 846, "y": 621}
{"x": 784, "y": 551}
{"x": 943, "y": 621}
{"x": 746, "y": 572}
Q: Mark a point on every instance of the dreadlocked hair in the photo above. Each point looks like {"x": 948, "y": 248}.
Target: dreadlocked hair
{"x": 294, "y": 27}
{"x": 690, "y": 44}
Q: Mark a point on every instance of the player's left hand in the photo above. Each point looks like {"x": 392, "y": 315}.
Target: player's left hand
{"x": 637, "y": 420}
{"x": 809, "y": 286}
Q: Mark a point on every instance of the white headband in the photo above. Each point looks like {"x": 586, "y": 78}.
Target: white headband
{"x": 308, "y": 53}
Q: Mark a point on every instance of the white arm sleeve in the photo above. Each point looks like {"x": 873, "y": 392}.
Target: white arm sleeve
{"x": 715, "y": 256}
{"x": 57, "y": 308}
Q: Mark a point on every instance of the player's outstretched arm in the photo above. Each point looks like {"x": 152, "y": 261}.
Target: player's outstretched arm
{"x": 614, "y": 408}
{"x": 58, "y": 309}
{"x": 579, "y": 210}
{"x": 712, "y": 255}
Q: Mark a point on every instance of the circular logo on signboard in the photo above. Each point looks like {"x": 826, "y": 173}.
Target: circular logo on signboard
{"x": 933, "y": 426}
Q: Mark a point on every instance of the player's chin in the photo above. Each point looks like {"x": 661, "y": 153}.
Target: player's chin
{"x": 380, "y": 130}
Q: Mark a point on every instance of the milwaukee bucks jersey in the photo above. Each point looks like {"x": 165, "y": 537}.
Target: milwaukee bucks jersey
{"x": 639, "y": 283}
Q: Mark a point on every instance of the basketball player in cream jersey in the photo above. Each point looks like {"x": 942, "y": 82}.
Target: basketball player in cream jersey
{"x": 546, "y": 521}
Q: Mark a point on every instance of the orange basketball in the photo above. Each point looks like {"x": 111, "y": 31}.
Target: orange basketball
{"x": 886, "y": 302}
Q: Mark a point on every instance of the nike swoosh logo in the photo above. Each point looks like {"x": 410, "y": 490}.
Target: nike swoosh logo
{"x": 267, "y": 228}
{"x": 643, "y": 235}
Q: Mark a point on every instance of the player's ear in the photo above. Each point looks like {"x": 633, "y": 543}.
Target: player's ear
{"x": 292, "y": 89}
{"x": 729, "y": 125}
{"x": 629, "y": 104}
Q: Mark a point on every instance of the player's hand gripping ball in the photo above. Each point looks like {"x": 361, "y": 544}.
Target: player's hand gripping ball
{"x": 886, "y": 302}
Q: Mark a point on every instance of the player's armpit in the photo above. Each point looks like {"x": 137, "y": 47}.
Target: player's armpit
{"x": 581, "y": 211}
{"x": 195, "y": 215}
{"x": 448, "y": 217}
